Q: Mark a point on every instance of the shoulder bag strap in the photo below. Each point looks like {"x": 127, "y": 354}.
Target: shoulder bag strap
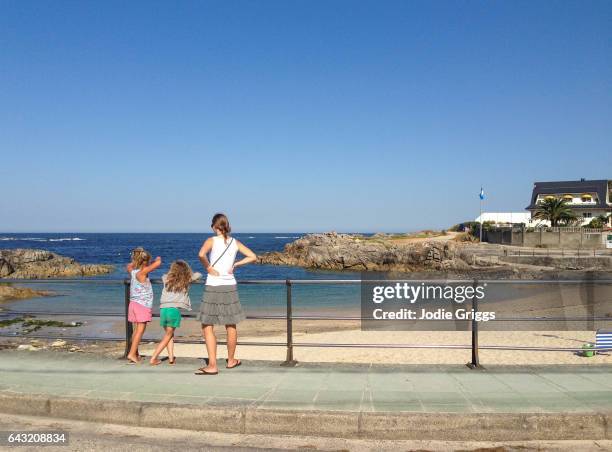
{"x": 224, "y": 251}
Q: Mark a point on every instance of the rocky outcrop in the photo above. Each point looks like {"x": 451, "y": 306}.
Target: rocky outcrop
{"x": 5, "y": 268}
{"x": 332, "y": 251}
{"x": 8, "y": 292}
{"x": 34, "y": 264}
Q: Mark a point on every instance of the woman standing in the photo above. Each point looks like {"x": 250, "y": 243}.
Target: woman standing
{"x": 220, "y": 304}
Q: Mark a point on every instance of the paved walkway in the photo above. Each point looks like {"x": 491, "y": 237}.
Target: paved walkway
{"x": 363, "y": 388}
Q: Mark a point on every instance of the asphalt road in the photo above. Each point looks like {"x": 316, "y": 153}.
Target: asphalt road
{"x": 86, "y": 436}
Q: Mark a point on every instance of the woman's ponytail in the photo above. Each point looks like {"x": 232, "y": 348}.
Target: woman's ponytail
{"x": 221, "y": 224}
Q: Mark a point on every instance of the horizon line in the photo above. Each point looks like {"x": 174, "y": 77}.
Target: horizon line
{"x": 206, "y": 233}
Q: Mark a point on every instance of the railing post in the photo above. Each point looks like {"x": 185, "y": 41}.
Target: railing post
{"x": 289, "y": 361}
{"x": 475, "y": 363}
{"x": 128, "y": 325}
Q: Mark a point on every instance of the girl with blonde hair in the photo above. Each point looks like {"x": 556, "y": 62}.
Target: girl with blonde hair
{"x": 174, "y": 297}
{"x": 141, "y": 297}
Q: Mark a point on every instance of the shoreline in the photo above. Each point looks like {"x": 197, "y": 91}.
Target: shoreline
{"x": 560, "y": 301}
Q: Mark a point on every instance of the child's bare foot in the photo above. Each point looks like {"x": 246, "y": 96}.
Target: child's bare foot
{"x": 134, "y": 358}
{"x": 172, "y": 360}
{"x": 231, "y": 363}
{"x": 154, "y": 362}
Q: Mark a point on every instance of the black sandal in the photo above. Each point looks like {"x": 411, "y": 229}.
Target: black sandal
{"x": 201, "y": 371}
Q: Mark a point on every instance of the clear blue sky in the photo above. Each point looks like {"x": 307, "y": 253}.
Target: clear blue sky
{"x": 295, "y": 115}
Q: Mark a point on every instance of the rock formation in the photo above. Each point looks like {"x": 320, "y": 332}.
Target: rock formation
{"x": 33, "y": 264}
{"x": 8, "y": 292}
{"x": 332, "y": 251}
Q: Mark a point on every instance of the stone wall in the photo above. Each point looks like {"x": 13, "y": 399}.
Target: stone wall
{"x": 554, "y": 238}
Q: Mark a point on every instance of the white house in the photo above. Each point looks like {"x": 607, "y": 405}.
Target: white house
{"x": 587, "y": 198}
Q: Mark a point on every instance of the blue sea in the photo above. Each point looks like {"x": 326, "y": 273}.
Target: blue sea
{"x": 107, "y": 296}
{"x": 115, "y": 249}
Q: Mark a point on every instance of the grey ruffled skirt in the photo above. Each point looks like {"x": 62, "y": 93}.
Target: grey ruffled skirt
{"x": 220, "y": 306}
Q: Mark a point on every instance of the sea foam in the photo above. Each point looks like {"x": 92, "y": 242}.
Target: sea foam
{"x": 39, "y": 239}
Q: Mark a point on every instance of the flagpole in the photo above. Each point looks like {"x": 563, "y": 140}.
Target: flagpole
{"x": 480, "y": 218}
{"x": 481, "y": 197}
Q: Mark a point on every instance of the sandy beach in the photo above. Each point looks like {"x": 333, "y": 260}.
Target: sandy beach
{"x": 348, "y": 332}
{"x": 543, "y": 302}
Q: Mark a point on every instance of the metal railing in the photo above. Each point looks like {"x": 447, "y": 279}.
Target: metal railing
{"x": 519, "y": 251}
{"x": 289, "y": 317}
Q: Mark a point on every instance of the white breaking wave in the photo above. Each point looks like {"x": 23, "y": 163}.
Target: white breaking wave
{"x": 38, "y": 239}
{"x": 66, "y": 239}
{"x": 285, "y": 237}
{"x": 23, "y": 239}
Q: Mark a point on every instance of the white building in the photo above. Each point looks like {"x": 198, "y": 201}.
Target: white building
{"x": 505, "y": 218}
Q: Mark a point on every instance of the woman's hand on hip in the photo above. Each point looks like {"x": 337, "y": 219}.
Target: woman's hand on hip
{"x": 211, "y": 271}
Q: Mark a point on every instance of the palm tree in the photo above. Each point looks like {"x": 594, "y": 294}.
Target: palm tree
{"x": 557, "y": 211}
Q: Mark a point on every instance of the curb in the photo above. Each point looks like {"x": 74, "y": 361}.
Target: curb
{"x": 343, "y": 424}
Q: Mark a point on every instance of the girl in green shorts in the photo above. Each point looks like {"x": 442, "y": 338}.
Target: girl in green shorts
{"x": 174, "y": 297}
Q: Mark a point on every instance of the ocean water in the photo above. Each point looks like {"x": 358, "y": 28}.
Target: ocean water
{"x": 115, "y": 249}
{"x": 326, "y": 299}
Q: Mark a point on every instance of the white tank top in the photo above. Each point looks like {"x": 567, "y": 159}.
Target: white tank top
{"x": 224, "y": 264}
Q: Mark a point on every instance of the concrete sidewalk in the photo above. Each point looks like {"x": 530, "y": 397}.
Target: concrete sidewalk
{"x": 531, "y": 399}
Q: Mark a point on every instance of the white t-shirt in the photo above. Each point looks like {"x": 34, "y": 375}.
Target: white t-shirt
{"x": 224, "y": 264}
